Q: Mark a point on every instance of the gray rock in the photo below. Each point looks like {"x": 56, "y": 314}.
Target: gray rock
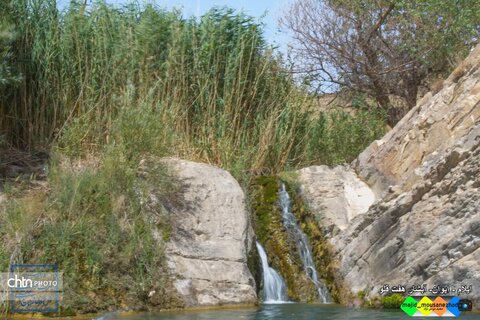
{"x": 423, "y": 135}
{"x": 424, "y": 227}
{"x": 210, "y": 239}
{"x": 429, "y": 234}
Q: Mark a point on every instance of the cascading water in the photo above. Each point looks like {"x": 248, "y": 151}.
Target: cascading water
{"x": 303, "y": 245}
{"x": 274, "y": 288}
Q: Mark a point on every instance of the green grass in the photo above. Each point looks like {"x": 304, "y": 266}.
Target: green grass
{"x": 393, "y": 301}
{"x": 337, "y": 136}
{"x": 94, "y": 224}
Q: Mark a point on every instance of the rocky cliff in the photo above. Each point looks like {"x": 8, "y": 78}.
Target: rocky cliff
{"x": 437, "y": 122}
{"x": 424, "y": 227}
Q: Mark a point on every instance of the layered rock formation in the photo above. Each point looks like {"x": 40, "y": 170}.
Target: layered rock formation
{"x": 424, "y": 227}
{"x": 426, "y": 132}
{"x": 429, "y": 234}
{"x": 210, "y": 238}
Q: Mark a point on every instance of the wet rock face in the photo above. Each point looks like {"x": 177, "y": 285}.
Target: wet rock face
{"x": 279, "y": 245}
{"x": 282, "y": 243}
{"x": 424, "y": 226}
{"x": 210, "y": 238}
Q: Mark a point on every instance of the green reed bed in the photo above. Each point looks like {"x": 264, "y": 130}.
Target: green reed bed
{"x": 206, "y": 88}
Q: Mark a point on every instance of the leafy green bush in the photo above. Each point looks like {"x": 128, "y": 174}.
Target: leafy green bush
{"x": 338, "y": 136}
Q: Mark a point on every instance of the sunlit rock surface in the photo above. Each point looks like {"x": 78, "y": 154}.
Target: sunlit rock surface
{"x": 426, "y": 132}
{"x": 336, "y": 195}
{"x": 210, "y": 239}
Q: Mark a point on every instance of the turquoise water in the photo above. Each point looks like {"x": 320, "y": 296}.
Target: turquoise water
{"x": 279, "y": 311}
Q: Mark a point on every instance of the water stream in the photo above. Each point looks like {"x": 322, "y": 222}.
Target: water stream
{"x": 288, "y": 311}
{"x": 303, "y": 245}
{"x": 274, "y": 287}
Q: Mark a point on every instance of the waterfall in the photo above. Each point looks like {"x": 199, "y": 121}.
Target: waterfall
{"x": 303, "y": 245}
{"x": 274, "y": 288}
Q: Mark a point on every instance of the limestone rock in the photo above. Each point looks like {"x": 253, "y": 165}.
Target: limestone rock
{"x": 427, "y": 235}
{"x": 335, "y": 195}
{"x": 210, "y": 239}
{"x": 424, "y": 134}
{"x": 424, "y": 227}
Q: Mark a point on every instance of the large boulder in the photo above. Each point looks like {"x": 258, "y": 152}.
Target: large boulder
{"x": 424, "y": 227}
{"x": 210, "y": 237}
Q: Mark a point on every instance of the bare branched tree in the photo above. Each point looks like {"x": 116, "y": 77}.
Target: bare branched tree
{"x": 363, "y": 45}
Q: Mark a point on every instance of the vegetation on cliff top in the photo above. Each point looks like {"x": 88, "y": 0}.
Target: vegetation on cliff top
{"x": 387, "y": 49}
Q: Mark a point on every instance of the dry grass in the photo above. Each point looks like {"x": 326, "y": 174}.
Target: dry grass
{"x": 461, "y": 70}
{"x": 436, "y": 86}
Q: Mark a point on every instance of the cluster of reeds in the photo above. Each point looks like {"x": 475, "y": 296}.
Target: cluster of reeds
{"x": 150, "y": 80}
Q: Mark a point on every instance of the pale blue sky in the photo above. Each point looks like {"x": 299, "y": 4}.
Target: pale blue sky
{"x": 272, "y": 10}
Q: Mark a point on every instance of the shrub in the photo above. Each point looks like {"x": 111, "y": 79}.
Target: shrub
{"x": 393, "y": 301}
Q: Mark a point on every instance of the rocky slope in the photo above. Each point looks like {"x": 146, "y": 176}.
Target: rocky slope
{"x": 424, "y": 227}
{"x": 210, "y": 238}
{"x": 426, "y": 132}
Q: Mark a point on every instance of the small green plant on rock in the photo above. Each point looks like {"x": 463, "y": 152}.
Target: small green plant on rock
{"x": 393, "y": 301}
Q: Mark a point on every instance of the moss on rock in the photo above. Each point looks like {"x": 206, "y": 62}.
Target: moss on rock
{"x": 393, "y": 301}
{"x": 321, "y": 249}
{"x": 280, "y": 248}
{"x": 255, "y": 267}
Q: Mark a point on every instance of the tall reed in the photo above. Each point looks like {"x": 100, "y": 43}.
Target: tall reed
{"x": 204, "y": 88}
